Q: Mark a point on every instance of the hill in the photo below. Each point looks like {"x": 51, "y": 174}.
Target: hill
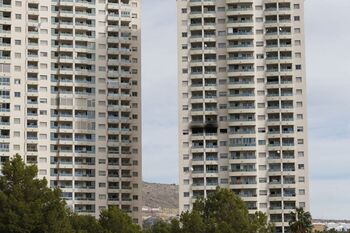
{"x": 161, "y": 195}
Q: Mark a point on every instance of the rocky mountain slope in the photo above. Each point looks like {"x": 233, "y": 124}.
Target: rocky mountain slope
{"x": 160, "y": 195}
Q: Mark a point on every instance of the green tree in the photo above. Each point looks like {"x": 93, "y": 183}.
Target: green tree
{"x": 260, "y": 224}
{"x": 300, "y": 222}
{"x": 221, "y": 212}
{"x": 114, "y": 220}
{"x": 27, "y": 204}
{"x": 85, "y": 224}
{"x": 192, "y": 222}
{"x": 159, "y": 227}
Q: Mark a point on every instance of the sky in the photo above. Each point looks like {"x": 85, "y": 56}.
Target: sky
{"x": 328, "y": 78}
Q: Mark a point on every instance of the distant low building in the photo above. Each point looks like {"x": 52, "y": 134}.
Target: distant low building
{"x": 318, "y": 227}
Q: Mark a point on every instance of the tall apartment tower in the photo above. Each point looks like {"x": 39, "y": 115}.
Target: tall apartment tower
{"x": 242, "y": 100}
{"x": 70, "y": 97}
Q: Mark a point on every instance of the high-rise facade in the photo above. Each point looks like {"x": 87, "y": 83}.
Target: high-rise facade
{"x": 70, "y": 97}
{"x": 242, "y": 100}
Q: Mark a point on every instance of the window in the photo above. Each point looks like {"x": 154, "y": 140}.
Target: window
{"x": 261, "y": 117}
{"x": 42, "y": 172}
{"x": 43, "y": 124}
{"x": 17, "y": 94}
{"x": 261, "y": 105}
{"x": 259, "y": 19}
{"x": 259, "y": 43}
{"x": 262, "y": 192}
{"x": 222, "y": 45}
{"x": 296, "y": 6}
{"x": 102, "y": 173}
{"x": 301, "y": 166}
{"x": 263, "y": 179}
{"x": 221, "y": 9}
{"x": 44, "y": 8}
{"x": 261, "y": 93}
{"x": 221, "y": 21}
{"x": 221, "y": 33}
{"x": 43, "y": 100}
{"x": 43, "y": 89}
{"x": 261, "y": 80}
{"x": 262, "y": 142}
{"x": 261, "y": 130}
{"x": 260, "y": 68}
{"x": 300, "y": 129}
{"x": 223, "y": 143}
{"x": 42, "y": 160}
{"x": 224, "y": 181}
{"x": 43, "y": 42}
